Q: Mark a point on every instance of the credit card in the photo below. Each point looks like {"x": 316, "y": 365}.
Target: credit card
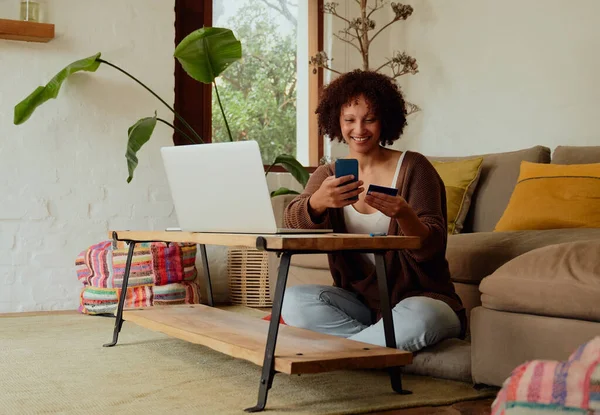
{"x": 382, "y": 189}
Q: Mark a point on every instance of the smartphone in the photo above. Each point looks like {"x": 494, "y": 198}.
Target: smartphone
{"x": 345, "y": 167}
{"x": 373, "y": 188}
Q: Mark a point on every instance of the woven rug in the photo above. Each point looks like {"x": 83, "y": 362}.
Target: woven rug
{"x": 56, "y": 364}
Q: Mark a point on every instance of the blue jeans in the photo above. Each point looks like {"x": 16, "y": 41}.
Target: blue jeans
{"x": 418, "y": 321}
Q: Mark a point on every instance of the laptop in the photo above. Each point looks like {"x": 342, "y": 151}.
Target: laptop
{"x": 221, "y": 187}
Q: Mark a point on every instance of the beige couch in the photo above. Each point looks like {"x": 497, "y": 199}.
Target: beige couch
{"x": 511, "y": 322}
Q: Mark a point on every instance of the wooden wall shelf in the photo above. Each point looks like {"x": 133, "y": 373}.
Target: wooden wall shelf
{"x": 26, "y": 31}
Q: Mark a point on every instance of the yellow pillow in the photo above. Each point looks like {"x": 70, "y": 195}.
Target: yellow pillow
{"x": 553, "y": 196}
{"x": 460, "y": 179}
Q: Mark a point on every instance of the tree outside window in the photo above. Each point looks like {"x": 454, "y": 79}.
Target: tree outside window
{"x": 259, "y": 92}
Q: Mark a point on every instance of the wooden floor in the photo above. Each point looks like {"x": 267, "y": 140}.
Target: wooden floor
{"x": 479, "y": 407}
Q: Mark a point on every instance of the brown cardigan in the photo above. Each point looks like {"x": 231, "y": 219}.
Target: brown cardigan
{"x": 419, "y": 272}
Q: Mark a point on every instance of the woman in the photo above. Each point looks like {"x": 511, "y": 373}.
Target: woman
{"x": 366, "y": 110}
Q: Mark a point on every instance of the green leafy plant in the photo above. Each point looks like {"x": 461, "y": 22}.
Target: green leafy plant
{"x": 204, "y": 55}
{"x": 296, "y": 170}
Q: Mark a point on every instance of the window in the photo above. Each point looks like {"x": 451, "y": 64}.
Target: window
{"x": 258, "y": 93}
{"x": 264, "y": 96}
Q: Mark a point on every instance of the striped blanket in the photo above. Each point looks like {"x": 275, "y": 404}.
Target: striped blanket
{"x": 542, "y": 387}
{"x": 160, "y": 274}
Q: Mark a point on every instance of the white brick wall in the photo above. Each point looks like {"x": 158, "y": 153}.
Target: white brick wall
{"x": 63, "y": 172}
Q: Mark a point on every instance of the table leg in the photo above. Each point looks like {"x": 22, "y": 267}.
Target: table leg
{"x": 388, "y": 323}
{"x": 119, "y": 320}
{"x": 268, "y": 369}
{"x": 206, "y": 274}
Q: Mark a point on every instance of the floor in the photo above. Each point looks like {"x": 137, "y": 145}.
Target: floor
{"x": 479, "y": 407}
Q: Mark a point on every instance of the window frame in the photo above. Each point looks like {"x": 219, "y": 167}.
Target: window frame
{"x": 193, "y": 100}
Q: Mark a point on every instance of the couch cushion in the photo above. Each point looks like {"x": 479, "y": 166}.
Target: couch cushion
{"x": 474, "y": 256}
{"x": 576, "y": 155}
{"x": 460, "y": 180}
{"x": 551, "y": 196}
{"x": 498, "y": 177}
{"x": 501, "y": 341}
{"x": 448, "y": 359}
{"x": 560, "y": 280}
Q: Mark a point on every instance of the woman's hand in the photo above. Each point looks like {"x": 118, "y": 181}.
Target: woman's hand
{"x": 397, "y": 207}
{"x": 392, "y": 206}
{"x": 331, "y": 194}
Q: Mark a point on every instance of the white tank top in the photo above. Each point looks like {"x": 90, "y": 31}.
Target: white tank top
{"x": 377, "y": 222}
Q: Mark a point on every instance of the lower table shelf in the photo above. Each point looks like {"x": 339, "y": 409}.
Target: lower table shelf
{"x": 298, "y": 351}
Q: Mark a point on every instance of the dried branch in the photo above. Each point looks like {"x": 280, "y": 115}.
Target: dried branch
{"x": 346, "y": 32}
{"x": 356, "y": 34}
{"x": 402, "y": 11}
{"x": 376, "y": 7}
{"x": 387, "y": 63}
{"x": 348, "y": 42}
{"x": 401, "y": 64}
{"x": 330, "y": 69}
{"x": 320, "y": 60}
{"x": 411, "y": 108}
{"x": 329, "y": 8}
{"x": 381, "y": 30}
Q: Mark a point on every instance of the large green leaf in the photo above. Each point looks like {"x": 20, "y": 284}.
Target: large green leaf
{"x": 207, "y": 52}
{"x": 283, "y": 191}
{"x": 25, "y": 108}
{"x": 293, "y": 166}
{"x": 139, "y": 134}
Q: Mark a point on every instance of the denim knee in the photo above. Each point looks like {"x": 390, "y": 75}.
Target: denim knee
{"x": 296, "y": 301}
{"x": 432, "y": 313}
{"x": 433, "y": 321}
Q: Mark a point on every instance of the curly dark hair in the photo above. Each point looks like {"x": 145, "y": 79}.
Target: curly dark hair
{"x": 381, "y": 93}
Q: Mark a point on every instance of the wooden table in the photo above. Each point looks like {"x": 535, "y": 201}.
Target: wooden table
{"x": 299, "y": 351}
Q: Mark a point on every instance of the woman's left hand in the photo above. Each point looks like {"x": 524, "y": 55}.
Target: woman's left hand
{"x": 392, "y": 206}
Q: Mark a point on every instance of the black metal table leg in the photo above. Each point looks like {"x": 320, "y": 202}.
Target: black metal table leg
{"x": 268, "y": 369}
{"x": 206, "y": 274}
{"x": 388, "y": 323}
{"x": 119, "y": 320}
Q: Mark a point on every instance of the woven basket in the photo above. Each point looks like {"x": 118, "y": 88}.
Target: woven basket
{"x": 249, "y": 277}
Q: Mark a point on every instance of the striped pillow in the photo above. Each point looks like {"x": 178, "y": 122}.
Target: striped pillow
{"x": 552, "y": 196}
{"x": 160, "y": 274}
{"x": 551, "y": 387}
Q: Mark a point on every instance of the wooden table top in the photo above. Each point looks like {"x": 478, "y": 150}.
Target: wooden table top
{"x": 326, "y": 242}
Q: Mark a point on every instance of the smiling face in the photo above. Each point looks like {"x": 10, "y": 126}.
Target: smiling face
{"x": 360, "y": 127}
